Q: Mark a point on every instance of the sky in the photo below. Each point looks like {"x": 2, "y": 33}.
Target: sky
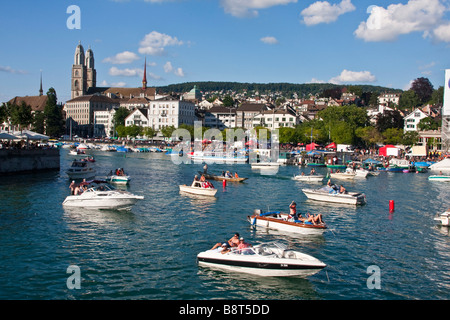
{"x": 379, "y": 42}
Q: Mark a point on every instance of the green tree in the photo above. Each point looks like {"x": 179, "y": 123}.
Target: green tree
{"x": 149, "y": 132}
{"x": 369, "y": 135}
{"x": 21, "y": 115}
{"x": 410, "y": 138}
{"x": 167, "y": 131}
{"x": 133, "y": 131}
{"x": 428, "y": 123}
{"x": 54, "y": 121}
{"x": 228, "y": 101}
{"x": 121, "y": 131}
{"x": 287, "y": 135}
{"x": 4, "y": 112}
{"x": 389, "y": 119}
{"x": 393, "y": 136}
{"x": 120, "y": 115}
{"x": 39, "y": 122}
{"x": 437, "y": 97}
{"x": 408, "y": 100}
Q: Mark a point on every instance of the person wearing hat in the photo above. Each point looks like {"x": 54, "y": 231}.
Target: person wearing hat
{"x": 224, "y": 248}
{"x": 243, "y": 244}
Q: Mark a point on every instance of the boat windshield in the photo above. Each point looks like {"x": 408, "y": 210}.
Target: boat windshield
{"x": 101, "y": 187}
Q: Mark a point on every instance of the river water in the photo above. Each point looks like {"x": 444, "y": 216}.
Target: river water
{"x": 150, "y": 251}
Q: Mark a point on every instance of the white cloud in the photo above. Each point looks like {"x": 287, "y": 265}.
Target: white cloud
{"x": 314, "y": 80}
{"x": 154, "y": 43}
{"x": 348, "y": 76}
{"x": 398, "y": 19}
{"x": 114, "y": 71}
{"x": 168, "y": 68}
{"x": 122, "y": 58}
{"x": 442, "y": 33}
{"x": 249, "y": 8}
{"x": 324, "y": 12}
{"x": 119, "y": 84}
{"x": 11, "y": 70}
{"x": 269, "y": 40}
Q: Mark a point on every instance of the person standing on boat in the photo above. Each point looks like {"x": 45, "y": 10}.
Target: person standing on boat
{"x": 293, "y": 210}
{"x": 205, "y": 168}
{"x": 72, "y": 188}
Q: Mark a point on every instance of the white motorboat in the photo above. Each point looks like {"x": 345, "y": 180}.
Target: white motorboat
{"x": 443, "y": 218}
{"x": 83, "y": 146}
{"x": 75, "y": 152}
{"x": 309, "y": 177}
{"x": 265, "y": 165}
{"x": 439, "y": 178}
{"x": 81, "y": 170}
{"x": 271, "y": 259}
{"x": 198, "y": 188}
{"x": 328, "y": 194}
{"x": 443, "y": 165}
{"x": 118, "y": 179}
{"x": 280, "y": 221}
{"x": 343, "y": 175}
{"x": 100, "y": 195}
{"x": 217, "y": 157}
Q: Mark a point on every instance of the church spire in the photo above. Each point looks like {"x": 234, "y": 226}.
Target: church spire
{"x": 41, "y": 92}
{"x": 144, "y": 79}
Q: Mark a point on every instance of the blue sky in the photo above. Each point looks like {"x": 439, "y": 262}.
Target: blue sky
{"x": 379, "y": 42}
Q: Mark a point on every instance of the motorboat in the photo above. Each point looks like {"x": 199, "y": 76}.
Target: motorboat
{"x": 221, "y": 178}
{"x": 272, "y": 259}
{"x": 82, "y": 146}
{"x": 439, "y": 178}
{"x": 101, "y": 195}
{"x": 443, "y": 165}
{"x": 281, "y": 221}
{"x": 80, "y": 170}
{"x": 77, "y": 152}
{"x": 217, "y": 157}
{"x": 199, "y": 188}
{"x": 118, "y": 179}
{"x": 265, "y": 165}
{"x": 443, "y": 218}
{"x": 328, "y": 194}
{"x": 309, "y": 177}
{"x": 343, "y": 175}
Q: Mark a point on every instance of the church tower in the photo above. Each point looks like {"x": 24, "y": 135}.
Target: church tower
{"x": 91, "y": 73}
{"x": 83, "y": 72}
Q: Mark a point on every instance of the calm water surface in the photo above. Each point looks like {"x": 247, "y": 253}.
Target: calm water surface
{"x": 150, "y": 251}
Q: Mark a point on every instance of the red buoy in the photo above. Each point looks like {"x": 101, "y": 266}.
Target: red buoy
{"x": 391, "y": 205}
{"x": 224, "y": 183}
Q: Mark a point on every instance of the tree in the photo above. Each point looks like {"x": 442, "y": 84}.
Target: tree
{"x": 423, "y": 89}
{"x": 167, "y": 131}
{"x": 4, "y": 112}
{"x": 428, "y": 123}
{"x": 54, "y": 121}
{"x": 149, "y": 132}
{"x": 408, "y": 100}
{"x": 39, "y": 122}
{"x": 393, "y": 136}
{"x": 437, "y": 97}
{"x": 21, "y": 115}
{"x": 228, "y": 101}
{"x": 287, "y": 135}
{"x": 121, "y": 130}
{"x": 133, "y": 131}
{"x": 369, "y": 135}
{"x": 389, "y": 119}
{"x": 410, "y": 138}
{"x": 120, "y": 115}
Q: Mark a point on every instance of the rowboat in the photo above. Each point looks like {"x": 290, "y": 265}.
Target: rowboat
{"x": 118, "y": 179}
{"x": 221, "y": 178}
{"x": 280, "y": 221}
{"x": 198, "y": 189}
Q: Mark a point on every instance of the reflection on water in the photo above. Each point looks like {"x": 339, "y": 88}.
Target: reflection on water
{"x": 150, "y": 251}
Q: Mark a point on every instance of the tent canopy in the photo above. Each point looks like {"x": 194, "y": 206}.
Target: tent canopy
{"x": 311, "y": 146}
{"x": 331, "y": 146}
{"x": 7, "y": 136}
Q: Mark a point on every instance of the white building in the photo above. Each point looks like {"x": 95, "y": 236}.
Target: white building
{"x": 275, "y": 119}
{"x": 220, "y": 117}
{"x": 162, "y": 113}
{"x": 103, "y": 123}
{"x": 413, "y": 119}
{"x": 386, "y": 98}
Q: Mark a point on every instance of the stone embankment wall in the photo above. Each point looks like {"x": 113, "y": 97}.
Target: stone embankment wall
{"x": 28, "y": 160}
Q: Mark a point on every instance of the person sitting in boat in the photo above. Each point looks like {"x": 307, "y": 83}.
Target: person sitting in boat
{"x": 233, "y": 242}
{"x": 315, "y": 220}
{"x": 342, "y": 189}
{"x": 228, "y": 175}
{"x": 196, "y": 178}
{"x": 202, "y": 178}
{"x": 236, "y": 175}
{"x": 313, "y": 172}
{"x": 243, "y": 246}
{"x": 333, "y": 188}
{"x": 223, "y": 173}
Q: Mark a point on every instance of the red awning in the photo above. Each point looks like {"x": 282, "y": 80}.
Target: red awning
{"x": 311, "y": 146}
{"x": 331, "y": 146}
